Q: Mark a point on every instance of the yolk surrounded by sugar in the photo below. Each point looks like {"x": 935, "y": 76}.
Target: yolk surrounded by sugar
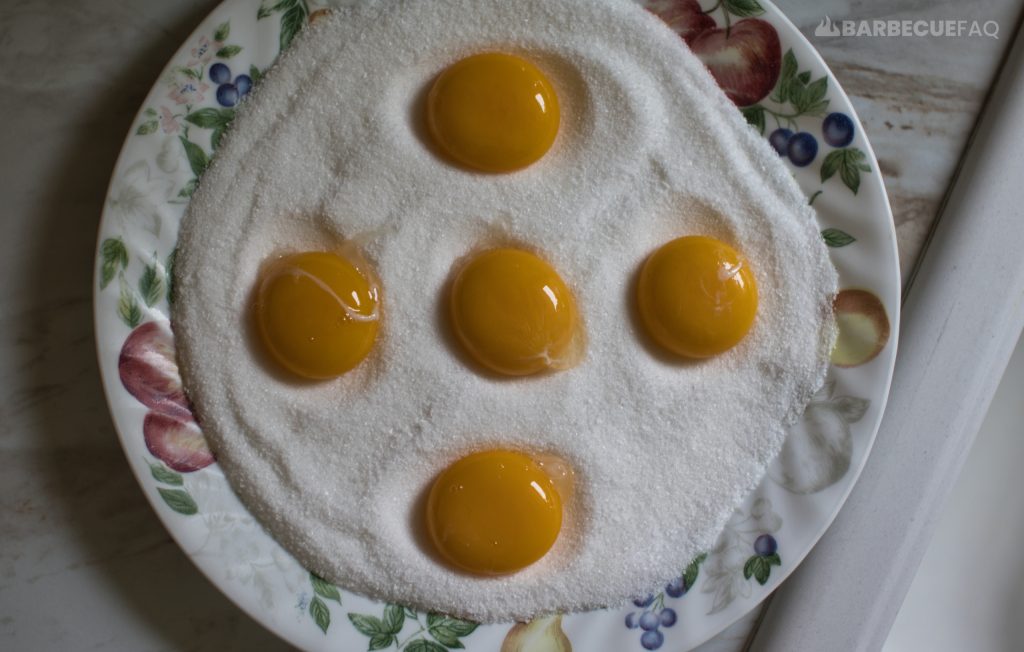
{"x": 493, "y": 112}
{"x": 317, "y": 314}
{"x": 697, "y": 296}
{"x": 494, "y": 512}
{"x": 514, "y": 314}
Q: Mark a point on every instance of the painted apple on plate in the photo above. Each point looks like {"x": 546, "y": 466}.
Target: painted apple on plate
{"x": 744, "y": 57}
{"x": 149, "y": 371}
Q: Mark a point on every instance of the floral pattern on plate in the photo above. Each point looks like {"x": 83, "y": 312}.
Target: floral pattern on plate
{"x": 785, "y": 92}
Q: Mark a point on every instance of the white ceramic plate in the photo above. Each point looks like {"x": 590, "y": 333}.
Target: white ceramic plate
{"x": 176, "y": 133}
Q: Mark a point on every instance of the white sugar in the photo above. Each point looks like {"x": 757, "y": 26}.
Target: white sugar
{"x": 332, "y": 149}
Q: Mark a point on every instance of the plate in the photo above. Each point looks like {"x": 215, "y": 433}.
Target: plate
{"x": 787, "y": 94}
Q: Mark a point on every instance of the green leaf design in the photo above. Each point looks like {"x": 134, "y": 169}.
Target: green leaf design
{"x": 266, "y": 12}
{"x": 849, "y": 163}
{"x": 324, "y": 589}
{"x": 743, "y": 8}
{"x": 229, "y": 51}
{"x": 320, "y": 613}
{"x": 394, "y": 618}
{"x": 223, "y": 32}
{"x": 292, "y": 22}
{"x": 755, "y": 116}
{"x": 147, "y": 127}
{"x": 457, "y": 626}
{"x": 423, "y": 645}
{"x": 803, "y": 96}
{"x": 751, "y": 566}
{"x": 796, "y": 88}
{"x": 831, "y": 165}
{"x": 837, "y": 238}
{"x": 190, "y": 72}
{"x": 816, "y": 91}
{"x": 850, "y": 171}
{"x": 197, "y": 158}
{"x": 169, "y": 267}
{"x": 189, "y": 188}
{"x": 255, "y": 75}
{"x": 795, "y": 93}
{"x": 381, "y": 641}
{"x": 367, "y": 625}
{"x": 693, "y": 570}
{"x": 151, "y": 285}
{"x": 759, "y": 568}
{"x": 786, "y": 75}
{"x": 462, "y": 627}
{"x": 114, "y": 257}
{"x": 818, "y": 108}
{"x": 151, "y": 112}
{"x": 210, "y": 118}
{"x": 128, "y": 307}
{"x": 179, "y": 500}
{"x": 216, "y": 136}
{"x": 163, "y": 474}
{"x": 446, "y": 637}
{"x": 773, "y": 560}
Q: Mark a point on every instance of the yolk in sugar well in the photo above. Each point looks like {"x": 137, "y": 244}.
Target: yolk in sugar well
{"x": 317, "y": 314}
{"x": 493, "y": 112}
{"x": 494, "y": 512}
{"x": 697, "y": 296}
{"x": 514, "y": 314}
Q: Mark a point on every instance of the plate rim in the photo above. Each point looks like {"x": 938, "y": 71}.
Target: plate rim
{"x": 111, "y": 381}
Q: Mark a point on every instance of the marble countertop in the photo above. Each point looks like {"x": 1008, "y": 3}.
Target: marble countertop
{"x": 84, "y": 562}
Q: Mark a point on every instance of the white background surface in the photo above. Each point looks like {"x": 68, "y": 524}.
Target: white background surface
{"x": 969, "y": 591}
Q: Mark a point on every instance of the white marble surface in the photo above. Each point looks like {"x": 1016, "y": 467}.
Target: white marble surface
{"x": 83, "y": 561}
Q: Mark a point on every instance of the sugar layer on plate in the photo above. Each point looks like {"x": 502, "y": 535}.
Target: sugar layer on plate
{"x": 332, "y": 149}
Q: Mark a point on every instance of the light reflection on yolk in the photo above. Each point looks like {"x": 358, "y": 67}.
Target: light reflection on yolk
{"x": 514, "y": 314}
{"x": 697, "y": 296}
{"x": 494, "y": 512}
{"x": 493, "y": 112}
{"x": 317, "y": 314}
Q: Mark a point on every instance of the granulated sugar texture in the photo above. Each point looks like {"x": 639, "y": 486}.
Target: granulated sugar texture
{"x": 332, "y": 150}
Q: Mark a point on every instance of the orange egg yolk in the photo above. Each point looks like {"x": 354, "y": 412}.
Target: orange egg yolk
{"x": 514, "y": 314}
{"x": 697, "y": 296}
{"x": 493, "y": 112}
{"x": 317, "y": 314}
{"x": 494, "y": 513}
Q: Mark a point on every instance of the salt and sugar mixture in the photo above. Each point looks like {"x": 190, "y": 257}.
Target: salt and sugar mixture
{"x": 332, "y": 152}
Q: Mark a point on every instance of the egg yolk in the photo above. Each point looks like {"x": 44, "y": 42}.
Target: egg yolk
{"x": 697, "y": 296}
{"x": 316, "y": 313}
{"x": 514, "y": 314}
{"x": 493, "y": 112}
{"x": 494, "y": 513}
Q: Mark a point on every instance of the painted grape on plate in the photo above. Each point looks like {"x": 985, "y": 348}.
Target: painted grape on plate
{"x": 745, "y": 58}
{"x": 655, "y": 614}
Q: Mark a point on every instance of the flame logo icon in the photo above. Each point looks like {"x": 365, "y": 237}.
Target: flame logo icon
{"x": 826, "y": 28}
